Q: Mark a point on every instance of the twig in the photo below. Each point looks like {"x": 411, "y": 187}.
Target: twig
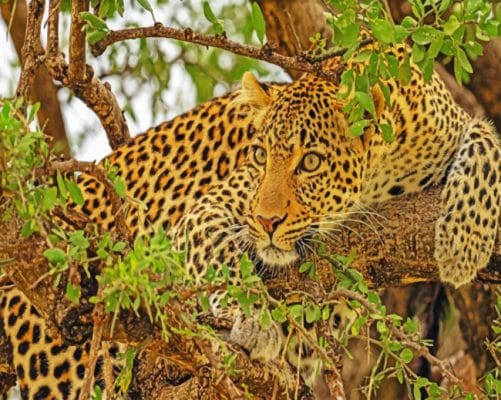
{"x": 312, "y": 58}
{"x": 265, "y": 53}
{"x": 402, "y": 337}
{"x": 97, "y": 96}
{"x": 53, "y": 27}
{"x": 99, "y": 317}
{"x": 77, "y": 66}
{"x": 31, "y": 50}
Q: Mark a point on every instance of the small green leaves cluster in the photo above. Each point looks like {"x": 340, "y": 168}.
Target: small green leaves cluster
{"x": 23, "y": 149}
{"x": 456, "y": 34}
{"x": 96, "y": 27}
{"x": 397, "y": 338}
{"x": 144, "y": 277}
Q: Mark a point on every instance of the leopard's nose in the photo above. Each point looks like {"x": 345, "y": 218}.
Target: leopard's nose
{"x": 270, "y": 225}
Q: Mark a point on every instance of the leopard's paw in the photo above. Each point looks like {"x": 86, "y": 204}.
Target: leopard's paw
{"x": 462, "y": 248}
{"x": 263, "y": 345}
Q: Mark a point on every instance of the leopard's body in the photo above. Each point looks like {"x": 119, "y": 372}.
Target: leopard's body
{"x": 269, "y": 170}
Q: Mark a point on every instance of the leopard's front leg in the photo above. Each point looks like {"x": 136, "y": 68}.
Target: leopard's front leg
{"x": 466, "y": 231}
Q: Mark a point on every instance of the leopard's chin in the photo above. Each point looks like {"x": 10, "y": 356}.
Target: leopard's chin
{"x": 274, "y": 257}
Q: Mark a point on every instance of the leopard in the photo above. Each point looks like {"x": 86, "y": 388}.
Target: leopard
{"x": 266, "y": 168}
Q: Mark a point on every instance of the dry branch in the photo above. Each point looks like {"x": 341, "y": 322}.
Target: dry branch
{"x": 266, "y": 53}
{"x": 75, "y": 75}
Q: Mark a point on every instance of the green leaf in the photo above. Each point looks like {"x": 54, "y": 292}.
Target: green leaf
{"x": 118, "y": 246}
{"x": 383, "y": 30}
{"x": 451, "y": 25}
{"x": 424, "y": 35}
{"x": 325, "y": 313}
{"x": 365, "y": 100}
{"x": 408, "y": 22}
{"x": 146, "y": 5}
{"x": 49, "y": 198}
{"x": 96, "y": 36}
{"x": 435, "y": 46}
{"x": 55, "y": 255}
{"x": 357, "y": 128}
{"x": 217, "y": 24}
{"x": 410, "y": 326}
{"x": 61, "y": 185}
{"x": 387, "y": 132}
{"x": 208, "y": 13}
{"x": 463, "y": 60}
{"x": 381, "y": 327}
{"x": 374, "y": 298}
{"x": 94, "y": 21}
{"x": 265, "y": 319}
{"x": 406, "y": 355}
{"x": 28, "y": 228}
{"x": 246, "y": 266}
{"x": 73, "y": 293}
{"x": 120, "y": 187}
{"x": 444, "y": 6}
{"x": 304, "y": 267}
{"x": 75, "y": 192}
{"x": 79, "y": 240}
{"x": 313, "y": 314}
{"x": 404, "y": 70}
{"x": 279, "y": 315}
{"x": 33, "y": 111}
{"x": 258, "y": 22}
{"x": 458, "y": 71}
{"x": 400, "y": 376}
{"x": 204, "y": 303}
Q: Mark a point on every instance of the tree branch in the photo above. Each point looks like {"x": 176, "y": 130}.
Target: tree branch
{"x": 32, "y": 50}
{"x": 394, "y": 247}
{"x": 77, "y": 65}
{"x": 266, "y": 53}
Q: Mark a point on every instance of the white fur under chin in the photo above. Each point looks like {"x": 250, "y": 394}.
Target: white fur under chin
{"x": 277, "y": 258}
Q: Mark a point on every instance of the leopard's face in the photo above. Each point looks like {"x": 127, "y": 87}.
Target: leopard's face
{"x": 309, "y": 172}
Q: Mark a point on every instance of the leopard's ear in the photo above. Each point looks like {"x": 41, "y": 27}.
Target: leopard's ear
{"x": 256, "y": 96}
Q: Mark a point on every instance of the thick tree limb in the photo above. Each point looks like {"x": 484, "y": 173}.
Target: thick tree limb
{"x": 397, "y": 249}
{"x": 287, "y": 27}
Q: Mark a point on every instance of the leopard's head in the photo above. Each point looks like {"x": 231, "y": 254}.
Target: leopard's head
{"x": 308, "y": 171}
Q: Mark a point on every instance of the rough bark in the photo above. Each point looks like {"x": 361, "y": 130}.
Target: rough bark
{"x": 290, "y": 24}
{"x": 394, "y": 248}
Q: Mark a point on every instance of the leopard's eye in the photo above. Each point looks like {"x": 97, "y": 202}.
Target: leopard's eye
{"x": 259, "y": 155}
{"x": 310, "y": 162}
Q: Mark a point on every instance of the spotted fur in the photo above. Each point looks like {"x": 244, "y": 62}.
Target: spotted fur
{"x": 265, "y": 168}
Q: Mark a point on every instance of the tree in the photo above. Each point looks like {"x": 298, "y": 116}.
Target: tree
{"x": 292, "y": 35}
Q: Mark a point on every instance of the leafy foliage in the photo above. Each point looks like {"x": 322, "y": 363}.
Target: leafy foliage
{"x": 455, "y": 34}
{"x": 150, "y": 274}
